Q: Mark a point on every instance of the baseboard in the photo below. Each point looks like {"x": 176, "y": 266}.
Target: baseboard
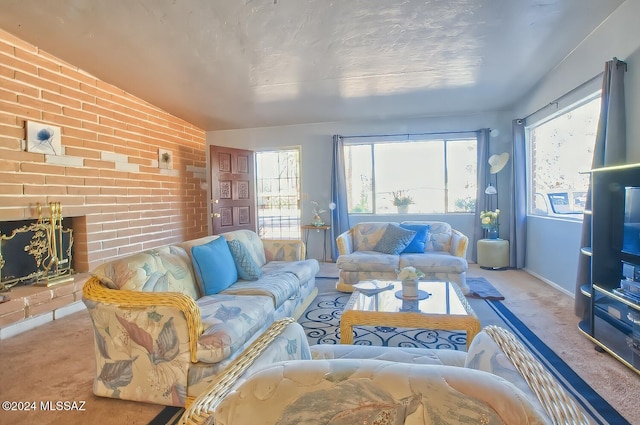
{"x": 550, "y": 283}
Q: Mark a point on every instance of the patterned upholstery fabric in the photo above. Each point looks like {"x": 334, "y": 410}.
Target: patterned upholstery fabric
{"x": 394, "y": 239}
{"x": 283, "y": 250}
{"x": 443, "y": 257}
{"x": 350, "y": 391}
{"x": 229, "y": 321}
{"x": 434, "y": 262}
{"x": 247, "y": 268}
{"x": 304, "y": 269}
{"x": 163, "y": 347}
{"x": 484, "y": 354}
{"x": 291, "y": 344}
{"x": 151, "y": 340}
{"x": 368, "y": 261}
{"x": 279, "y": 286}
{"x": 251, "y": 241}
{"x": 166, "y": 269}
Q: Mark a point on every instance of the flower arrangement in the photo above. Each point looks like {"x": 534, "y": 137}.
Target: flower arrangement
{"x": 489, "y": 219}
{"x": 317, "y": 218}
{"x": 409, "y": 273}
{"x": 316, "y": 208}
{"x": 400, "y": 199}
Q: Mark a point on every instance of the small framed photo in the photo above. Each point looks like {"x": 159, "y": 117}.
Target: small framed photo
{"x": 43, "y": 138}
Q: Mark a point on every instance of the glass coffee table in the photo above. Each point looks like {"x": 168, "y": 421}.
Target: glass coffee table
{"x": 446, "y": 308}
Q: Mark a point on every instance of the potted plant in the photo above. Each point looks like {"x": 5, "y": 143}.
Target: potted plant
{"x": 402, "y": 201}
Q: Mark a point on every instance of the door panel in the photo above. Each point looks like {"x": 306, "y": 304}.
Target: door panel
{"x": 233, "y": 200}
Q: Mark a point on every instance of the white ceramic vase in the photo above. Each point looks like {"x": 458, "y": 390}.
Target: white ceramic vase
{"x": 410, "y": 288}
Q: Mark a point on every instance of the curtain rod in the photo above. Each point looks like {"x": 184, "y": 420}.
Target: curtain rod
{"x": 408, "y": 134}
{"x": 558, "y": 99}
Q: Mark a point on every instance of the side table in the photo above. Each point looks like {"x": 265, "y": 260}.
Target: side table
{"x": 493, "y": 254}
{"x": 307, "y": 228}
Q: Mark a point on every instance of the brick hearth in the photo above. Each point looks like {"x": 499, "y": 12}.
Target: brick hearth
{"x": 31, "y": 306}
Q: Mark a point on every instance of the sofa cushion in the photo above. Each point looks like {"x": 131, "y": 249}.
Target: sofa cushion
{"x": 304, "y": 270}
{"x": 279, "y": 286}
{"x": 394, "y": 240}
{"x": 157, "y": 270}
{"x": 419, "y": 240}
{"x": 229, "y": 321}
{"x": 368, "y": 261}
{"x": 366, "y": 235}
{"x": 214, "y": 266}
{"x": 246, "y": 266}
{"x": 251, "y": 241}
{"x": 434, "y": 262}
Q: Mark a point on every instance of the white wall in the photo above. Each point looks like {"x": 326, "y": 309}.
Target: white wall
{"x": 315, "y": 141}
{"x": 553, "y": 245}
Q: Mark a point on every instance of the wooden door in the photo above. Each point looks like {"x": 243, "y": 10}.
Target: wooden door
{"x": 233, "y": 199}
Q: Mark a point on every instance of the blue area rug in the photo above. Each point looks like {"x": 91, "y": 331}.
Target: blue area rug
{"x": 321, "y": 321}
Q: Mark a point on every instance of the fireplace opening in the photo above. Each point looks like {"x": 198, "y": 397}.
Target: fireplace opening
{"x": 36, "y": 251}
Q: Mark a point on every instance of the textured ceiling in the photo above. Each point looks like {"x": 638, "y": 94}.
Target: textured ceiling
{"x": 223, "y": 64}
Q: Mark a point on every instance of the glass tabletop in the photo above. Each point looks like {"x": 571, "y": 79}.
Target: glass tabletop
{"x": 444, "y": 298}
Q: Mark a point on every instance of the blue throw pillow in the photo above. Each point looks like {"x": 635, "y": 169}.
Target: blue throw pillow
{"x": 214, "y": 266}
{"x": 419, "y": 240}
{"x": 394, "y": 239}
{"x": 247, "y": 268}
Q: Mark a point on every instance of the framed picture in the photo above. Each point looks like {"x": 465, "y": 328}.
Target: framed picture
{"x": 43, "y": 138}
{"x": 243, "y": 164}
{"x": 224, "y": 162}
{"x": 165, "y": 159}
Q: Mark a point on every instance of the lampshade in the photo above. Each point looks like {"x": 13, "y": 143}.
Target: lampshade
{"x": 497, "y": 162}
{"x": 491, "y": 190}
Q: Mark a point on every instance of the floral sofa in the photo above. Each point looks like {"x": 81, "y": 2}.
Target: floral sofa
{"x": 376, "y": 250}
{"x": 166, "y": 322}
{"x": 498, "y": 381}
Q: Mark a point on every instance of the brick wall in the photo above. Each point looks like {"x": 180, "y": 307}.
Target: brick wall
{"x": 108, "y": 174}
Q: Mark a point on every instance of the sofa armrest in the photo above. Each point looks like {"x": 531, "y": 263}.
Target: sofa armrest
{"x": 459, "y": 243}
{"x": 345, "y": 242}
{"x": 265, "y": 348}
{"x": 284, "y": 249}
{"x": 93, "y": 290}
{"x": 555, "y": 401}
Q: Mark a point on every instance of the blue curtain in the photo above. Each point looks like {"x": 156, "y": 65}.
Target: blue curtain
{"x": 483, "y": 181}
{"x": 610, "y": 149}
{"x": 518, "y": 206}
{"x": 339, "y": 215}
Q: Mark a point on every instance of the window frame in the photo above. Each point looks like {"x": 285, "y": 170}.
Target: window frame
{"x": 445, "y": 138}
{"x": 565, "y": 105}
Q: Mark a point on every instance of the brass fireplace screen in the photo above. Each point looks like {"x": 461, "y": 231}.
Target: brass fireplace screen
{"x": 37, "y": 252}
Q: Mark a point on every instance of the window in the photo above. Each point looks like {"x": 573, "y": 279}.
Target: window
{"x": 278, "y": 192}
{"x": 560, "y": 149}
{"x": 435, "y": 176}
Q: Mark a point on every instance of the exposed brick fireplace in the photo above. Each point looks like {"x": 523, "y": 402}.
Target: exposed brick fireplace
{"x": 107, "y": 176}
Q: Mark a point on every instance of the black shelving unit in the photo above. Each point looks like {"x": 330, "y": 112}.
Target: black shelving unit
{"x": 613, "y": 322}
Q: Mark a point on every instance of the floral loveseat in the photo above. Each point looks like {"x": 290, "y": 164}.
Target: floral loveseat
{"x": 164, "y": 326}
{"x": 497, "y": 382}
{"x": 375, "y": 250}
